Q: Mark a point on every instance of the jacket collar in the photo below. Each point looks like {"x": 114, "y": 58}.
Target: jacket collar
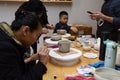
{"x": 7, "y": 29}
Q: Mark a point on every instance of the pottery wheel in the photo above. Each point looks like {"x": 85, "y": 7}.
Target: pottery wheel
{"x": 65, "y": 59}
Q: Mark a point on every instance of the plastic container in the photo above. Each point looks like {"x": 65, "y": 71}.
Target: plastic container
{"x": 106, "y": 74}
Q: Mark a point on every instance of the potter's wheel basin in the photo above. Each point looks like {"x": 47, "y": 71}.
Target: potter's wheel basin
{"x": 65, "y": 59}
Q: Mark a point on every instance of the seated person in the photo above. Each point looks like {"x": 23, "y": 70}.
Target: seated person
{"x": 63, "y": 19}
{"x": 14, "y": 41}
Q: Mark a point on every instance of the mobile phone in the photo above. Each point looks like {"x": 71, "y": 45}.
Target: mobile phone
{"x": 89, "y": 12}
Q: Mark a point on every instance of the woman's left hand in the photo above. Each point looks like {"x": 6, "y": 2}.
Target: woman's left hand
{"x": 50, "y": 26}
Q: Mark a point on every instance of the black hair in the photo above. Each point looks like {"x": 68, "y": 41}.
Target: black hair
{"x": 25, "y": 19}
{"x": 63, "y": 13}
{"x": 31, "y": 6}
{"x": 35, "y": 6}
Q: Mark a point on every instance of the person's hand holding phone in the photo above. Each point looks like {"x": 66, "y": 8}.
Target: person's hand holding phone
{"x": 95, "y": 16}
{"x": 98, "y": 16}
{"x": 89, "y": 12}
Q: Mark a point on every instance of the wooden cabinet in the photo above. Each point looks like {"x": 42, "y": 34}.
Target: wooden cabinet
{"x": 83, "y": 29}
{"x": 48, "y": 1}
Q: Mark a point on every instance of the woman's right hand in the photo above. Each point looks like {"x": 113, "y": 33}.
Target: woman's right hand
{"x": 96, "y": 16}
{"x": 43, "y": 55}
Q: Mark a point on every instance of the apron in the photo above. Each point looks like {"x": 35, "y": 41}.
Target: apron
{"x": 107, "y": 26}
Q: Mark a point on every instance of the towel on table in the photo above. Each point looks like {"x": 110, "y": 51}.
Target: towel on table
{"x": 101, "y": 64}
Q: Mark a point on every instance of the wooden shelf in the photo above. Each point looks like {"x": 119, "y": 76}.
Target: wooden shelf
{"x": 58, "y": 1}
{"x": 13, "y": 0}
{"x": 46, "y": 1}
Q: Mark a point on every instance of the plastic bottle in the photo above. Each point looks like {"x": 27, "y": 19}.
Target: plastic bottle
{"x": 110, "y": 54}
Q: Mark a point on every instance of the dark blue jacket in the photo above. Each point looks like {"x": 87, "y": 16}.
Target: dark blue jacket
{"x": 61, "y": 26}
{"x": 115, "y": 12}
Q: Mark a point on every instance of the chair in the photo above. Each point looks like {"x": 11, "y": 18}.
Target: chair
{"x": 82, "y": 29}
